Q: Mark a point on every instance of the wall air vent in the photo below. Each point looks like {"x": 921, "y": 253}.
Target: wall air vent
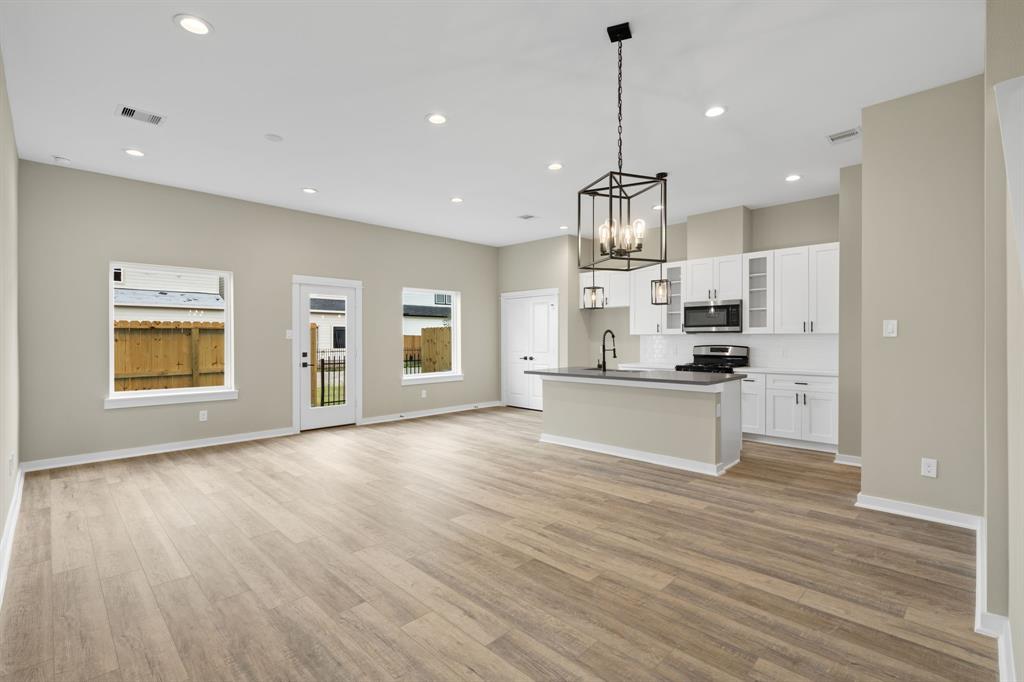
{"x": 843, "y": 136}
{"x": 144, "y": 116}
{"x": 526, "y": 216}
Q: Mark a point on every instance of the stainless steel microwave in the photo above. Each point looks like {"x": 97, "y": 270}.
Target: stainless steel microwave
{"x": 701, "y": 317}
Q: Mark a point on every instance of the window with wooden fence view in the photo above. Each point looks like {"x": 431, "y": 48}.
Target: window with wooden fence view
{"x": 168, "y": 328}
{"x": 428, "y": 325}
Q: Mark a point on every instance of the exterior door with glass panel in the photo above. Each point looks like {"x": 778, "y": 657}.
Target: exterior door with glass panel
{"x": 326, "y": 336}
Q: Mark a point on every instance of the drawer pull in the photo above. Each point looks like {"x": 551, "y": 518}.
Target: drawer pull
{"x": 800, "y": 383}
{"x": 750, "y": 380}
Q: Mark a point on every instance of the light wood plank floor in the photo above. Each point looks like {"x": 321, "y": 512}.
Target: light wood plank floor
{"x": 459, "y": 547}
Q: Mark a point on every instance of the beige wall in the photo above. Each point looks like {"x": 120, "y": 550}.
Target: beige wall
{"x": 718, "y": 233}
{"x": 541, "y": 264}
{"x": 1004, "y": 59}
{"x": 849, "y": 238}
{"x": 923, "y": 259}
{"x": 814, "y": 221}
{"x": 8, "y": 304}
{"x": 73, "y": 223}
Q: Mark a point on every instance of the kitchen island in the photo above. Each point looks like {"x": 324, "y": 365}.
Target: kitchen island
{"x": 683, "y": 420}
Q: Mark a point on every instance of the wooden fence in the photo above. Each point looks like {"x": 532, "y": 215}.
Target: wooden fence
{"x": 429, "y": 352}
{"x": 150, "y": 355}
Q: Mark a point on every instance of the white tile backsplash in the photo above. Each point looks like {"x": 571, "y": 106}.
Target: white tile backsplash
{"x": 799, "y": 351}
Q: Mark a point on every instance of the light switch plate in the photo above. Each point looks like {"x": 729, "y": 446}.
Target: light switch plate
{"x": 203, "y": 415}
{"x": 288, "y": 333}
{"x": 929, "y": 467}
{"x": 890, "y": 328}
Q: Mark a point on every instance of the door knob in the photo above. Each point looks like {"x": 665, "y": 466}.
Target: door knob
{"x": 531, "y": 357}
{"x": 524, "y": 358}
{"x": 305, "y": 364}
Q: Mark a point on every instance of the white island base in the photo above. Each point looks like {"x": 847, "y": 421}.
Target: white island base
{"x": 690, "y": 426}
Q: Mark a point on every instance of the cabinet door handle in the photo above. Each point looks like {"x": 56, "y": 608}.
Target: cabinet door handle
{"x": 800, "y": 383}
{"x": 709, "y": 294}
{"x": 797, "y": 396}
{"x": 805, "y": 327}
{"x": 812, "y": 326}
{"x": 750, "y": 380}
{"x": 805, "y": 398}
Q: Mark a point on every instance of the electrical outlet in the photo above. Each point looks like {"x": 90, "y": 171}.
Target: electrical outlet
{"x": 423, "y": 393}
{"x": 890, "y": 328}
{"x": 929, "y": 467}
{"x": 203, "y": 415}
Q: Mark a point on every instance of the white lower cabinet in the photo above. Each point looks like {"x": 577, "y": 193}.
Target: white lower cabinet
{"x": 796, "y": 407}
{"x": 752, "y": 401}
{"x": 783, "y": 414}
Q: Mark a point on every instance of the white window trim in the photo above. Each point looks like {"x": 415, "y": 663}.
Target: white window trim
{"x": 455, "y": 374}
{"x": 169, "y": 396}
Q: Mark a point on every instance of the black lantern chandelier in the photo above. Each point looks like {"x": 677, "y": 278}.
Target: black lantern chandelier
{"x": 617, "y": 214}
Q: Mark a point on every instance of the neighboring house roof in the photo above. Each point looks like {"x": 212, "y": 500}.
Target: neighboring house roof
{"x": 326, "y": 305}
{"x": 149, "y": 298}
{"x": 426, "y": 311}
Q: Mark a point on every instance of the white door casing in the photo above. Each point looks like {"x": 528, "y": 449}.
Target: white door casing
{"x": 529, "y": 328}
{"x": 342, "y": 392}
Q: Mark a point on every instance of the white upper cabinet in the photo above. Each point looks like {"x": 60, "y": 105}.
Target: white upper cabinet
{"x": 823, "y": 311}
{"x": 807, "y": 290}
{"x": 728, "y": 278}
{"x": 714, "y": 278}
{"x": 615, "y": 284}
{"x": 644, "y": 318}
{"x": 758, "y": 287}
{"x": 700, "y": 279}
{"x": 791, "y": 291}
{"x": 675, "y": 273}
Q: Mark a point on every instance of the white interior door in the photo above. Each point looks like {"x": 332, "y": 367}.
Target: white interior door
{"x": 530, "y": 331}
{"x": 326, "y": 350}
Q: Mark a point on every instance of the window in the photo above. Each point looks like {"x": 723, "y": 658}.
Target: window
{"x": 171, "y": 335}
{"x": 430, "y": 336}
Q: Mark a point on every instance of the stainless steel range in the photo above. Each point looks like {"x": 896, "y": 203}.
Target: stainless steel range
{"x": 718, "y": 359}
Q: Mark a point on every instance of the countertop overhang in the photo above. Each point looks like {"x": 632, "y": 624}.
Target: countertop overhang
{"x": 706, "y": 381}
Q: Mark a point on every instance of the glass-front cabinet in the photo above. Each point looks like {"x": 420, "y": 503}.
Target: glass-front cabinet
{"x": 758, "y": 281}
{"x": 675, "y": 273}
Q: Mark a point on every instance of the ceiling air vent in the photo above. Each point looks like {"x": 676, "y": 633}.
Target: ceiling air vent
{"x": 526, "y": 216}
{"x": 144, "y": 116}
{"x": 843, "y": 136}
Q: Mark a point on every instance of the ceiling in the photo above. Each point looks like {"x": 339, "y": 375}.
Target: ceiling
{"x": 348, "y": 87}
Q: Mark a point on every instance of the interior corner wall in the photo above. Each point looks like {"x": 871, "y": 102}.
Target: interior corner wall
{"x": 849, "y": 238}
{"x": 9, "y": 450}
{"x": 72, "y": 223}
{"x": 923, "y": 265}
{"x": 1004, "y": 59}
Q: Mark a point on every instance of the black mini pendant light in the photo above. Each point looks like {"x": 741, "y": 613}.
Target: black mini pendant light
{"x": 593, "y": 296}
{"x": 661, "y": 288}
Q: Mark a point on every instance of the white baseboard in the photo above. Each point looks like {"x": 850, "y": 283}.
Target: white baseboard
{"x": 790, "y": 443}
{"x": 416, "y": 414}
{"x": 639, "y": 455}
{"x": 998, "y": 627}
{"x": 918, "y": 511}
{"x": 10, "y": 526}
{"x": 89, "y": 458}
{"x": 848, "y": 460}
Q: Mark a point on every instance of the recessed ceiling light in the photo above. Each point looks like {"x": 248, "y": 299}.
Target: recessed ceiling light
{"x": 193, "y": 24}
{"x": 555, "y": 166}
{"x": 309, "y": 190}
{"x": 715, "y": 111}
{"x": 456, "y": 200}
{"x": 272, "y": 137}
{"x": 131, "y": 151}
{"x": 563, "y": 227}
{"x": 657, "y": 207}
{"x": 792, "y": 178}
{"x": 437, "y": 119}
{"x": 62, "y": 160}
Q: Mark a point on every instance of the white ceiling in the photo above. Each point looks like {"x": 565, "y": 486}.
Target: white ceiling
{"x": 348, "y": 86}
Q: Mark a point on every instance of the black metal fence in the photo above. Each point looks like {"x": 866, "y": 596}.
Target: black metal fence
{"x": 330, "y": 373}
{"x": 412, "y": 362}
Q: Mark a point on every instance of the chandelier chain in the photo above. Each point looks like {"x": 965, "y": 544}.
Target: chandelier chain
{"x": 620, "y": 106}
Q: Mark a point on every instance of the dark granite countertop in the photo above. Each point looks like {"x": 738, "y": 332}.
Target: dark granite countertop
{"x": 656, "y": 376}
